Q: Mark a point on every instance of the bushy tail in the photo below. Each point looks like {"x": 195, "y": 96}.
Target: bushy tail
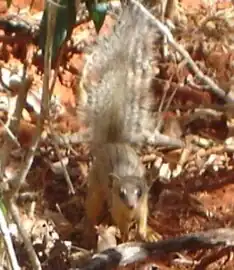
{"x": 117, "y": 79}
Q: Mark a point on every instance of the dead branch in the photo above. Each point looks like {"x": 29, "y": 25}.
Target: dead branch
{"x": 8, "y": 242}
{"x": 133, "y": 252}
{"x": 14, "y": 122}
{"x": 212, "y": 257}
{"x": 11, "y": 206}
{"x": 9, "y": 197}
{"x": 159, "y": 139}
{"x": 10, "y": 134}
{"x": 26, "y": 165}
{"x": 200, "y": 75}
{"x": 66, "y": 174}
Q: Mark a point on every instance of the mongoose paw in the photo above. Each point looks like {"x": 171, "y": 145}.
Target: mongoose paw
{"x": 150, "y": 235}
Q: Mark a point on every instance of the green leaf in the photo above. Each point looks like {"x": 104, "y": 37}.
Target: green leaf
{"x": 97, "y": 13}
{"x": 65, "y": 21}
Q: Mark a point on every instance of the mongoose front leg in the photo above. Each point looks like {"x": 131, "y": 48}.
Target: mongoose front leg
{"x": 143, "y": 218}
{"x": 144, "y": 231}
{"x": 94, "y": 208}
{"x": 121, "y": 222}
{"x": 94, "y": 205}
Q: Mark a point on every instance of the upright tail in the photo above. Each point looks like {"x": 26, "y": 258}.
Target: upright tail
{"x": 117, "y": 79}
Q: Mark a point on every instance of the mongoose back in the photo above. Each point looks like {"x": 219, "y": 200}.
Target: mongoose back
{"x": 117, "y": 83}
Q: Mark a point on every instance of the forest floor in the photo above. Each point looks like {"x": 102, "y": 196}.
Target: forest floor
{"x": 194, "y": 187}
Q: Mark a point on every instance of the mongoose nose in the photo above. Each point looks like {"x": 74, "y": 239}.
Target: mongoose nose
{"x": 131, "y": 206}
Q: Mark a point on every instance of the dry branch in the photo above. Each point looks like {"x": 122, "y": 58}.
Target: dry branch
{"x": 133, "y": 252}
{"x": 213, "y": 87}
{"x": 66, "y": 174}
{"x": 8, "y": 242}
{"x": 14, "y": 123}
{"x": 11, "y": 206}
{"x": 9, "y": 197}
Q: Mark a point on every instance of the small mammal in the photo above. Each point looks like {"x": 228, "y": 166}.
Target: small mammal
{"x": 116, "y": 83}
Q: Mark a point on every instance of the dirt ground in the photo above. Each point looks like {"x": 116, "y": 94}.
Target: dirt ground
{"x": 195, "y": 191}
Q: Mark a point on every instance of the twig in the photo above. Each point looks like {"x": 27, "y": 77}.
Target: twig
{"x": 160, "y": 121}
{"x": 66, "y": 174}
{"x": 163, "y": 140}
{"x": 221, "y": 14}
{"x": 14, "y": 123}
{"x": 8, "y": 243}
{"x": 84, "y": 136}
{"x": 163, "y": 99}
{"x": 58, "y": 61}
{"x": 133, "y": 252}
{"x": 215, "y": 256}
{"x": 28, "y": 245}
{"x": 6, "y": 87}
{"x": 201, "y": 76}
{"x": 4, "y": 156}
{"x": 10, "y": 134}
{"x": 26, "y": 165}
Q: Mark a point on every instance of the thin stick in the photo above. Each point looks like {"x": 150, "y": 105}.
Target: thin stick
{"x": 26, "y": 165}
{"x": 14, "y": 123}
{"x": 8, "y": 243}
{"x": 201, "y": 76}
{"x": 28, "y": 245}
{"x": 66, "y": 174}
{"x": 10, "y": 133}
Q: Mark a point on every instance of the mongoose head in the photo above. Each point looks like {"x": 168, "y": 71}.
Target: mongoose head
{"x": 131, "y": 190}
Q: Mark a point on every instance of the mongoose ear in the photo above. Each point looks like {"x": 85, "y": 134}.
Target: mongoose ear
{"x": 112, "y": 179}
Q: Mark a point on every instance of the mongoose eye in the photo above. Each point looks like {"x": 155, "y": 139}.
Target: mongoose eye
{"x": 138, "y": 192}
{"x": 123, "y": 193}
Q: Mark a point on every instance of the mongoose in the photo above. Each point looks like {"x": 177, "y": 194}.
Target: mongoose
{"x": 116, "y": 81}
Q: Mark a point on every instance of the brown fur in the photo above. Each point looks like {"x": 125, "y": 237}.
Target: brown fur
{"x": 117, "y": 83}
